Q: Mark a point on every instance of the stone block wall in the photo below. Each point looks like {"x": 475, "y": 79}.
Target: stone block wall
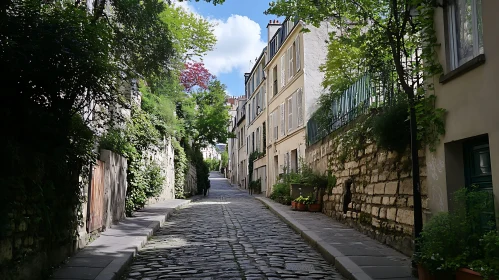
{"x": 373, "y": 192}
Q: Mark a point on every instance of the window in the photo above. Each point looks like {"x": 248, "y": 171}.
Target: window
{"x": 465, "y": 30}
{"x": 264, "y": 137}
{"x": 274, "y": 73}
{"x": 249, "y": 110}
{"x": 271, "y": 123}
{"x": 297, "y": 53}
{"x": 283, "y": 70}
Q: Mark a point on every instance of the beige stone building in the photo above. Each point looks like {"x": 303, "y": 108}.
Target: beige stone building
{"x": 256, "y": 91}
{"x": 293, "y": 86}
{"x": 469, "y": 151}
{"x": 242, "y": 154}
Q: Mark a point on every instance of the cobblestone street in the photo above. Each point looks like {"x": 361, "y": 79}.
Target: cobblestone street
{"x": 228, "y": 235}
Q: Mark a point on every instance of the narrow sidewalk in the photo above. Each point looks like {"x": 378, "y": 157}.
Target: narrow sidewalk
{"x": 354, "y": 254}
{"x": 107, "y": 257}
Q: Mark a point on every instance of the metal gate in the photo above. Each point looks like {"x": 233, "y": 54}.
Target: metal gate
{"x": 96, "y": 198}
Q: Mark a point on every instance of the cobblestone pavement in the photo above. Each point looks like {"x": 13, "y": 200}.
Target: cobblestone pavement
{"x": 228, "y": 235}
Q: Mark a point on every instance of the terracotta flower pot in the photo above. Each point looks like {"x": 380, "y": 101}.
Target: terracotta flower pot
{"x": 316, "y": 207}
{"x": 424, "y": 274}
{"x": 467, "y": 274}
{"x": 301, "y": 207}
{"x": 293, "y": 205}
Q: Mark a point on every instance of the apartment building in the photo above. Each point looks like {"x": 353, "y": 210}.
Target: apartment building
{"x": 468, "y": 153}
{"x": 232, "y": 150}
{"x": 242, "y": 152}
{"x": 256, "y": 91}
{"x": 293, "y": 87}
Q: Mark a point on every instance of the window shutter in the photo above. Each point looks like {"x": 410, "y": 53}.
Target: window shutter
{"x": 283, "y": 120}
{"x": 271, "y": 81}
{"x": 271, "y": 123}
{"x": 276, "y": 124}
{"x": 291, "y": 70}
{"x": 294, "y": 104}
{"x": 290, "y": 113}
{"x": 297, "y": 51}
{"x": 264, "y": 97}
{"x": 300, "y": 106}
{"x": 283, "y": 70}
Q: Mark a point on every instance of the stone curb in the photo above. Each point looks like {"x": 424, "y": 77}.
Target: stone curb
{"x": 344, "y": 264}
{"x": 117, "y": 267}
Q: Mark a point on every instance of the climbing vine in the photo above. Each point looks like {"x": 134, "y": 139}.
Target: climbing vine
{"x": 392, "y": 37}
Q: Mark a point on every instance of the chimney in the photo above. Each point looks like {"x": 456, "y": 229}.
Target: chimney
{"x": 272, "y": 28}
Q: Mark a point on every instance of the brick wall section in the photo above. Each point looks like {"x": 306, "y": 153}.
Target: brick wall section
{"x": 381, "y": 203}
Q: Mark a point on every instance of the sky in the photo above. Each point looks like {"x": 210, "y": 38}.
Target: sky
{"x": 241, "y": 31}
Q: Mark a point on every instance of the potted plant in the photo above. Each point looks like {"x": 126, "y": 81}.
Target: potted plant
{"x": 488, "y": 266}
{"x": 314, "y": 206}
{"x": 301, "y": 203}
{"x": 458, "y": 242}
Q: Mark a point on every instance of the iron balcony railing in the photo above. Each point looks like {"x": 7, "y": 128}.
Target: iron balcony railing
{"x": 369, "y": 91}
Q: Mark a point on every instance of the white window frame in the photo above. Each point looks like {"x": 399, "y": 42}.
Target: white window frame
{"x": 452, "y": 30}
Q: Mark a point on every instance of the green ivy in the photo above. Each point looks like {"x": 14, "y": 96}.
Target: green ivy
{"x": 144, "y": 179}
{"x": 180, "y": 162}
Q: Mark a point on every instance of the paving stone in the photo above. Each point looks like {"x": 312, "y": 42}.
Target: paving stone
{"x": 232, "y": 240}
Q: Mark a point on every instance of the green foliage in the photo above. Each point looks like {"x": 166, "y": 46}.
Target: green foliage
{"x": 376, "y": 37}
{"x": 281, "y": 193}
{"x": 213, "y": 164}
{"x": 193, "y": 34}
{"x": 305, "y": 200}
{"x": 488, "y": 265}
{"x": 144, "y": 179}
{"x": 225, "y": 159}
{"x": 180, "y": 162}
{"x": 212, "y": 115}
{"x": 431, "y": 122}
{"x": 331, "y": 181}
{"x": 451, "y": 240}
{"x": 391, "y": 129}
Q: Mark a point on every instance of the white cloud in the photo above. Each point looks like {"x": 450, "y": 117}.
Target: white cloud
{"x": 238, "y": 43}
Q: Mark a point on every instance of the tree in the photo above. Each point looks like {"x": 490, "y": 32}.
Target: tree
{"x": 195, "y": 75}
{"x": 212, "y": 116}
{"x": 192, "y": 35}
{"x": 375, "y": 33}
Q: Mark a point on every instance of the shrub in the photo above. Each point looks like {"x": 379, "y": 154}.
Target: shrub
{"x": 280, "y": 193}
{"x": 451, "y": 240}
{"x": 391, "y": 128}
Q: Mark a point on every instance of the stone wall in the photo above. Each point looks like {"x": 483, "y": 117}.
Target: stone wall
{"x": 164, "y": 157}
{"x": 373, "y": 192}
{"x": 190, "y": 186}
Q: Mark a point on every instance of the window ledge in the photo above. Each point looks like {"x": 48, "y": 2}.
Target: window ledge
{"x": 468, "y": 66}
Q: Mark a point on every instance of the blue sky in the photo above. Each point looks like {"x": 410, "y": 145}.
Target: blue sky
{"x": 241, "y": 30}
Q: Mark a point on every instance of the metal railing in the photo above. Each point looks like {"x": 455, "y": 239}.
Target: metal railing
{"x": 372, "y": 90}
